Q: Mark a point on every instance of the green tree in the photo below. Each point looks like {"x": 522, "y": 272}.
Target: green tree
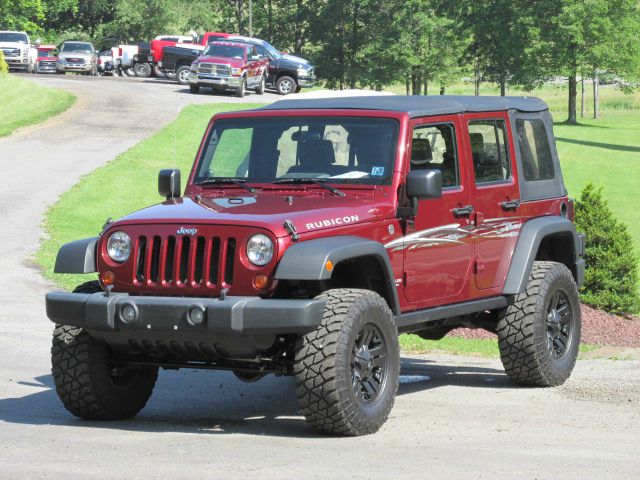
{"x": 611, "y": 279}
{"x": 591, "y": 35}
{"x": 23, "y": 15}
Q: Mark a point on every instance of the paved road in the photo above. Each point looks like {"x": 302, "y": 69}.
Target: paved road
{"x": 454, "y": 417}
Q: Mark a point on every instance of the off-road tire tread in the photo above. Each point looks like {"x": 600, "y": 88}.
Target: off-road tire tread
{"x": 73, "y": 355}
{"x": 317, "y": 388}
{"x": 524, "y": 355}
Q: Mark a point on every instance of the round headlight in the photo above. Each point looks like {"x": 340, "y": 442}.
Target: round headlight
{"x": 119, "y": 247}
{"x": 260, "y": 249}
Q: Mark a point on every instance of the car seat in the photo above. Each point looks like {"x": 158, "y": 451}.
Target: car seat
{"x": 314, "y": 156}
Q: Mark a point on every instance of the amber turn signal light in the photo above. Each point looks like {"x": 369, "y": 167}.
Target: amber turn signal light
{"x": 260, "y": 281}
{"x": 108, "y": 277}
{"x": 329, "y": 266}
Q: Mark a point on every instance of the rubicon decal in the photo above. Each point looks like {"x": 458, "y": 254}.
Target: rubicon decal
{"x": 187, "y": 231}
{"x": 332, "y": 222}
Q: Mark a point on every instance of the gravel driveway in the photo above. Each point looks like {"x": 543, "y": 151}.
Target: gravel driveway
{"x": 455, "y": 417}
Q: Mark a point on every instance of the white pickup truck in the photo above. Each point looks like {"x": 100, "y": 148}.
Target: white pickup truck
{"x": 18, "y": 51}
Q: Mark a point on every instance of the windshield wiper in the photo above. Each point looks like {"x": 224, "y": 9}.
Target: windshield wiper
{"x": 315, "y": 181}
{"x": 235, "y": 181}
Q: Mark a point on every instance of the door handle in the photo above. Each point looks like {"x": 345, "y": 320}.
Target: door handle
{"x": 510, "y": 204}
{"x": 463, "y": 211}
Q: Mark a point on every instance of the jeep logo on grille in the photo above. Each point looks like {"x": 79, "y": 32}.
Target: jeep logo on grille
{"x": 187, "y": 231}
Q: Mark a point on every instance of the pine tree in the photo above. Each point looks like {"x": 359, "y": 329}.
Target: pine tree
{"x": 611, "y": 281}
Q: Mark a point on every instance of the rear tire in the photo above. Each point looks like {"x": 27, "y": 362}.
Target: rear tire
{"x": 142, "y": 70}
{"x": 89, "y": 383}
{"x": 347, "y": 370}
{"x": 539, "y": 335}
{"x": 261, "y": 86}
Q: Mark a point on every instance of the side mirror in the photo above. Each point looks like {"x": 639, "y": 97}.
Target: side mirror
{"x": 424, "y": 184}
{"x": 169, "y": 183}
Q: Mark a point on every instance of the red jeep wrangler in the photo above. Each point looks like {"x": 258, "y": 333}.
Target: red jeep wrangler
{"x": 310, "y": 234}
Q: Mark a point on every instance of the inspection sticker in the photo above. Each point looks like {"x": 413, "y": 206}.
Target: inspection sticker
{"x": 377, "y": 171}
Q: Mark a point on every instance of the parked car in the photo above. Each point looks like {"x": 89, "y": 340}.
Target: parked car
{"x": 47, "y": 59}
{"x": 193, "y": 47}
{"x": 18, "y": 51}
{"x": 286, "y": 73}
{"x": 310, "y": 234}
{"x": 229, "y": 66}
{"x": 80, "y": 57}
{"x": 107, "y": 64}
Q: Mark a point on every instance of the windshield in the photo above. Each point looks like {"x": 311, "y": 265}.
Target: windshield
{"x": 13, "y": 37}
{"x": 345, "y": 150}
{"x": 273, "y": 51}
{"x": 77, "y": 47}
{"x": 45, "y": 53}
{"x": 227, "y": 51}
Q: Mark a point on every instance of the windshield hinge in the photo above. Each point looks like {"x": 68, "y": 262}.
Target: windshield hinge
{"x": 291, "y": 228}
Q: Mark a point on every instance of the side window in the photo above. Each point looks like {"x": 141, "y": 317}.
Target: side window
{"x": 533, "y": 142}
{"x": 433, "y": 146}
{"x": 261, "y": 51}
{"x": 488, "y": 140}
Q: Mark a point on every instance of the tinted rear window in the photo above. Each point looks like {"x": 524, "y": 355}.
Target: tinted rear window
{"x": 533, "y": 142}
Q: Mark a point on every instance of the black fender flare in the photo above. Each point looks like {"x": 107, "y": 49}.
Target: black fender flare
{"x": 307, "y": 261}
{"x": 77, "y": 257}
{"x": 532, "y": 233}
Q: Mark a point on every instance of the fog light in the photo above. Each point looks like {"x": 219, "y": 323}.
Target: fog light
{"x": 195, "y": 315}
{"x": 129, "y": 314}
{"x": 108, "y": 278}
{"x": 260, "y": 281}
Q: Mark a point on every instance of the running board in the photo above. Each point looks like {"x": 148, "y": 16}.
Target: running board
{"x": 407, "y": 321}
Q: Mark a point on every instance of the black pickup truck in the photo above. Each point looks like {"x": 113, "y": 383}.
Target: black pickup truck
{"x": 286, "y": 73}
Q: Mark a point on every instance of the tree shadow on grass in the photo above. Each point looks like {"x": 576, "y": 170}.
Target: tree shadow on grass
{"x": 202, "y": 402}
{"x": 582, "y": 125}
{"x": 606, "y": 146}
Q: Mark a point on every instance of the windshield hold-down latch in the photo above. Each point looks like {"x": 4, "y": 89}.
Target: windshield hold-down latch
{"x": 291, "y": 228}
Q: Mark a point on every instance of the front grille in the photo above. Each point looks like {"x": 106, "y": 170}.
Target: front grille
{"x": 47, "y": 63}
{"x": 11, "y": 52}
{"x": 183, "y": 261}
{"x": 215, "y": 69}
{"x": 78, "y": 61}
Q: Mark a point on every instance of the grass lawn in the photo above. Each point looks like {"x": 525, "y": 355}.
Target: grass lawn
{"x": 413, "y": 344}
{"x": 25, "y": 103}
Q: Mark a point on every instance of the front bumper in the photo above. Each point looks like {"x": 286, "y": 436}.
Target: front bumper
{"x": 306, "y": 81}
{"x": 214, "y": 80}
{"x": 74, "y": 67}
{"x": 170, "y": 315}
{"x": 17, "y": 63}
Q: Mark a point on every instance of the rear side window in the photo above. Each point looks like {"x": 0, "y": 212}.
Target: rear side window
{"x": 489, "y": 149}
{"x": 533, "y": 142}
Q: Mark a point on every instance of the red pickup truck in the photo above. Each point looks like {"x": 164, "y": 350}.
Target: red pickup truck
{"x": 159, "y": 43}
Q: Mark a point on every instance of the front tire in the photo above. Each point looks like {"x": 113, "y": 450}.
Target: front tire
{"x": 182, "y": 74}
{"x": 539, "y": 335}
{"x": 241, "y": 89}
{"x": 347, "y": 370}
{"x": 89, "y": 383}
{"x": 286, "y": 85}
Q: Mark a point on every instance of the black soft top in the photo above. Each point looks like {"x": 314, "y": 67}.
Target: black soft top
{"x": 415, "y": 106}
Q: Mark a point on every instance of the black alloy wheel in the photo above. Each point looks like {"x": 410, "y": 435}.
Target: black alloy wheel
{"x": 369, "y": 364}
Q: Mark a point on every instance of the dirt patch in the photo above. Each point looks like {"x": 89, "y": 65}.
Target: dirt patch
{"x": 598, "y": 328}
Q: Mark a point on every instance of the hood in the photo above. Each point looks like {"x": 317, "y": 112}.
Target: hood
{"x": 20, "y": 45}
{"x": 293, "y": 60}
{"x": 309, "y": 213}
{"x": 234, "y": 62}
